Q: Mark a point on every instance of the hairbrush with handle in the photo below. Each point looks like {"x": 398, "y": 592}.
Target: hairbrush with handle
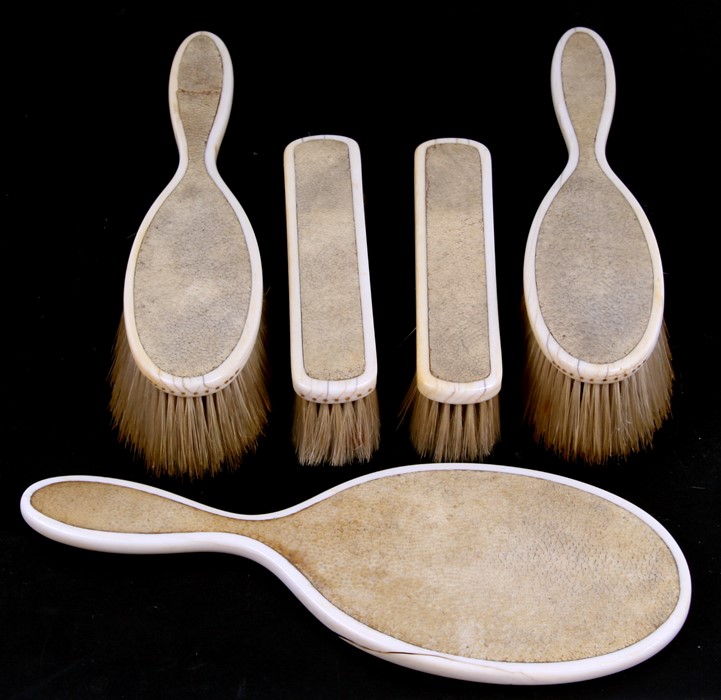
{"x": 477, "y": 572}
{"x": 188, "y": 379}
{"x": 599, "y": 367}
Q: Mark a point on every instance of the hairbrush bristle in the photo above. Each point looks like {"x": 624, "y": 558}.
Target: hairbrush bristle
{"x": 444, "y": 432}
{"x": 593, "y": 422}
{"x": 188, "y": 436}
{"x": 337, "y": 433}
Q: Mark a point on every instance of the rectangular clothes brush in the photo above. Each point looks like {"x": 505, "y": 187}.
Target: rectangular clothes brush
{"x": 188, "y": 376}
{"x": 332, "y": 338}
{"x": 599, "y": 375}
{"x": 454, "y": 399}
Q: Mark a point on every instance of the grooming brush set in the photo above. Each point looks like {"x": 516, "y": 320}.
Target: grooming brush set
{"x": 471, "y": 571}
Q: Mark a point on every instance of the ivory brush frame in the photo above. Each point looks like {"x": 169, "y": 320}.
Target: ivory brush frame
{"x": 217, "y": 377}
{"x": 316, "y": 320}
{"x": 578, "y": 367}
{"x": 482, "y": 286}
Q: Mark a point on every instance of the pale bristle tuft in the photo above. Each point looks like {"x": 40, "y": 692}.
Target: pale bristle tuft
{"x": 443, "y": 432}
{"x": 595, "y": 422}
{"x": 194, "y": 436}
{"x": 338, "y": 433}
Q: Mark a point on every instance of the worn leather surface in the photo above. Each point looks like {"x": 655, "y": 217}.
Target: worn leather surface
{"x": 193, "y": 276}
{"x": 593, "y": 267}
{"x": 455, "y": 249}
{"x": 331, "y": 318}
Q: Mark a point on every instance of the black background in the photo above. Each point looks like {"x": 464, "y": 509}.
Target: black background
{"x": 88, "y": 146}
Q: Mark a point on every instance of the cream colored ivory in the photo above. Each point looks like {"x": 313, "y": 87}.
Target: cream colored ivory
{"x": 483, "y": 573}
{"x": 593, "y": 280}
{"x": 457, "y": 329}
{"x": 194, "y": 288}
{"x": 332, "y": 340}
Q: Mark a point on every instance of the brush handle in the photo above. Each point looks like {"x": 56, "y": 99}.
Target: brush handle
{"x": 333, "y": 356}
{"x": 457, "y": 330}
{"x": 593, "y": 280}
{"x": 478, "y": 572}
{"x": 193, "y": 287}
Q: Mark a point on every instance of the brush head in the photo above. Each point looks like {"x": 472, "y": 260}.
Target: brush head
{"x": 453, "y": 402}
{"x": 599, "y": 374}
{"x": 189, "y": 346}
{"x": 332, "y": 338}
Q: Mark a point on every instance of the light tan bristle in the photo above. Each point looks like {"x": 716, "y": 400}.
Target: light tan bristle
{"x": 193, "y": 436}
{"x": 593, "y": 422}
{"x": 443, "y": 432}
{"x": 337, "y": 433}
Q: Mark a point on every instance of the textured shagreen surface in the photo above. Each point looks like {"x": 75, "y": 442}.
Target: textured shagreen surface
{"x": 332, "y": 321}
{"x": 456, "y": 264}
{"x": 593, "y": 267}
{"x": 193, "y": 276}
{"x": 486, "y": 565}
